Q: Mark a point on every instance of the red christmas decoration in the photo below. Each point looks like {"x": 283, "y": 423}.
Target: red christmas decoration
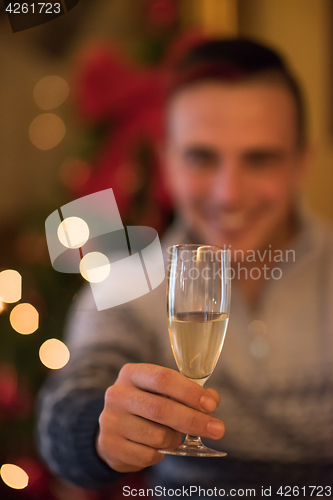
{"x": 15, "y": 395}
{"x": 8, "y": 384}
{"x": 162, "y": 13}
{"x": 129, "y": 102}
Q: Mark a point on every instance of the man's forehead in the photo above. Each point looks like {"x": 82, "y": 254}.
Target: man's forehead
{"x": 214, "y": 111}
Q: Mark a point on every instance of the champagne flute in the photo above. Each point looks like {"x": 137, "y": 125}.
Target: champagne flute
{"x": 198, "y": 304}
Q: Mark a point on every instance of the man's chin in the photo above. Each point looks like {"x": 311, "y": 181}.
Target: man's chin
{"x": 236, "y": 239}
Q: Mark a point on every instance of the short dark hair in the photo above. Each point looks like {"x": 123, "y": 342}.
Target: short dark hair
{"x": 236, "y": 60}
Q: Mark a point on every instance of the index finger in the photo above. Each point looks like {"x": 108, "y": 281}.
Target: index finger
{"x": 161, "y": 380}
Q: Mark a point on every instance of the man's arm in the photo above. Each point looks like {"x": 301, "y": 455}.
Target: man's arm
{"x": 147, "y": 408}
{"x": 69, "y": 408}
{"x": 140, "y": 407}
{"x": 70, "y": 403}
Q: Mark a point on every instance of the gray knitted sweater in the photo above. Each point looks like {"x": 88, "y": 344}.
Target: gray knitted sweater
{"x": 275, "y": 376}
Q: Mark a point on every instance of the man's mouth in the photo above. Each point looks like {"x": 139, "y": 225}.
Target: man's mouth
{"x": 230, "y": 223}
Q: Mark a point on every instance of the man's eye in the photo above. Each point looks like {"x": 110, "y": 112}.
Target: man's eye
{"x": 263, "y": 160}
{"x": 201, "y": 159}
{"x": 200, "y": 162}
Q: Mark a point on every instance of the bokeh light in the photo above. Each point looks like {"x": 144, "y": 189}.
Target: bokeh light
{"x": 10, "y": 286}
{"x": 54, "y": 354}
{"x": 2, "y": 306}
{"x": 257, "y": 328}
{"x": 95, "y": 267}
{"x": 24, "y": 318}
{"x": 50, "y": 92}
{"x": 73, "y": 232}
{"x": 14, "y": 476}
{"x": 259, "y": 345}
{"x": 47, "y": 131}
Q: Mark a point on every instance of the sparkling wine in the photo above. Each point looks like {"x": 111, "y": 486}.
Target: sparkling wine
{"x": 197, "y": 340}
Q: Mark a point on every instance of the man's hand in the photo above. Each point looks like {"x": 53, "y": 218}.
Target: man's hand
{"x": 147, "y": 409}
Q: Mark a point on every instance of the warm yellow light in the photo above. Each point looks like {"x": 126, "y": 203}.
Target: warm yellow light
{"x": 10, "y": 286}
{"x": 47, "y": 131}
{"x": 50, "y": 92}
{"x": 54, "y": 354}
{"x": 95, "y": 267}
{"x": 73, "y": 232}
{"x": 2, "y": 306}
{"x": 24, "y": 318}
{"x": 14, "y": 476}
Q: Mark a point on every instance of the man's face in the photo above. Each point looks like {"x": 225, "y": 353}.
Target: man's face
{"x": 232, "y": 162}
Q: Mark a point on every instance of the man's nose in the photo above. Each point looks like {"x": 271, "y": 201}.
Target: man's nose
{"x": 227, "y": 187}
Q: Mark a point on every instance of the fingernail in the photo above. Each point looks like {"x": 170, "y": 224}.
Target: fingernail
{"x": 207, "y": 403}
{"x": 215, "y": 428}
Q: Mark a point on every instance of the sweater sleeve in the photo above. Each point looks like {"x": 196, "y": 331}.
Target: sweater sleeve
{"x": 70, "y": 403}
{"x": 67, "y": 438}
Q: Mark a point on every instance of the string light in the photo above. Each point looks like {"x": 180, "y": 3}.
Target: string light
{"x": 54, "y": 354}
{"x": 10, "y": 286}
{"x": 14, "y": 476}
{"x": 47, "y": 131}
{"x": 24, "y": 318}
{"x": 50, "y": 92}
{"x": 95, "y": 267}
{"x": 73, "y": 232}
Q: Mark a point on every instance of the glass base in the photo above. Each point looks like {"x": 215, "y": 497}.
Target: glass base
{"x": 193, "y": 447}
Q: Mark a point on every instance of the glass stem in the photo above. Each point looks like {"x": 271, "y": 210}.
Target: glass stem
{"x": 192, "y": 441}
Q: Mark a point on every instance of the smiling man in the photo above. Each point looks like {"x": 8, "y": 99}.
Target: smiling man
{"x": 235, "y": 158}
{"x": 237, "y": 152}
{"x": 234, "y": 161}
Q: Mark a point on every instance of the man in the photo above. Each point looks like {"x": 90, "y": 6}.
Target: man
{"x": 235, "y": 158}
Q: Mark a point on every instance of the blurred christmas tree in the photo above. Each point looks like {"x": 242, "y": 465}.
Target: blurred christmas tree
{"x": 122, "y": 105}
